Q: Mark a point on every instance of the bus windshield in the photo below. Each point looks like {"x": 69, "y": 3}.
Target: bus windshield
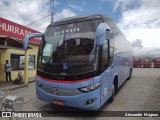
{"x": 157, "y": 60}
{"x": 68, "y": 53}
{"x": 79, "y": 50}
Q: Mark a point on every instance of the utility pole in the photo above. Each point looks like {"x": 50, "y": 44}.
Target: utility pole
{"x": 52, "y": 9}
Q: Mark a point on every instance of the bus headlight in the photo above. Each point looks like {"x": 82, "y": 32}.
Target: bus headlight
{"x": 90, "y": 88}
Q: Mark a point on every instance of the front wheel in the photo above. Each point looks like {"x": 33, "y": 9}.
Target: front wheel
{"x": 130, "y": 75}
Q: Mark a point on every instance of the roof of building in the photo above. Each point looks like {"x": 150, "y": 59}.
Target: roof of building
{"x": 6, "y": 43}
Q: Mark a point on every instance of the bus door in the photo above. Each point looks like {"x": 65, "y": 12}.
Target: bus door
{"x": 106, "y": 87}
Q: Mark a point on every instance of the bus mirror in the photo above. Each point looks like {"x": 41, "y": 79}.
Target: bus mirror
{"x": 101, "y": 33}
{"x": 109, "y": 35}
{"x": 29, "y": 36}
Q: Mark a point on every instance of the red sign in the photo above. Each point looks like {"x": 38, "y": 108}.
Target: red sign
{"x": 14, "y": 30}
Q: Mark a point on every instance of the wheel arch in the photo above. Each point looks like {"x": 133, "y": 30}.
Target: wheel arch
{"x": 115, "y": 80}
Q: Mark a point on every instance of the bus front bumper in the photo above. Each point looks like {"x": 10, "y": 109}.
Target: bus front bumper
{"x": 89, "y": 100}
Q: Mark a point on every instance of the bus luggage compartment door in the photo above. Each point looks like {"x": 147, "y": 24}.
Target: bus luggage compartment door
{"x": 106, "y": 87}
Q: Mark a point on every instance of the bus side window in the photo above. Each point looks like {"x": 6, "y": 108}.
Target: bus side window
{"x": 104, "y": 59}
{"x": 111, "y": 44}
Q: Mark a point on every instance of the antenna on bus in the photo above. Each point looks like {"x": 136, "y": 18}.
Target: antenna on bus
{"x": 52, "y": 9}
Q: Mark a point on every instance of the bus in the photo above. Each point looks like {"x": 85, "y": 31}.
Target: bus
{"x": 82, "y": 61}
{"x": 137, "y": 62}
{"x": 156, "y": 62}
{"x": 146, "y": 62}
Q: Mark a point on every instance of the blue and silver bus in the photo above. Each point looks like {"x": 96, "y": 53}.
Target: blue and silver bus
{"x": 82, "y": 61}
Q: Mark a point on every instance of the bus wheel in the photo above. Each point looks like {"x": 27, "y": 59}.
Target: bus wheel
{"x": 114, "y": 89}
{"x": 130, "y": 75}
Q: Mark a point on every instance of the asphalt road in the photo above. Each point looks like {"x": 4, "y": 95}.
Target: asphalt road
{"x": 141, "y": 93}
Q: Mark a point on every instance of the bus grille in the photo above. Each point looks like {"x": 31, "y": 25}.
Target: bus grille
{"x": 59, "y": 91}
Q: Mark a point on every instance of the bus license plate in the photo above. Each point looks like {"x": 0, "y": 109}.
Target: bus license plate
{"x": 58, "y": 102}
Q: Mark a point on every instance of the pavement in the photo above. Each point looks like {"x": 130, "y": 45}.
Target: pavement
{"x": 4, "y": 86}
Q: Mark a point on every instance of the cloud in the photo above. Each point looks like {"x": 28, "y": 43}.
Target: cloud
{"x": 142, "y": 23}
{"x": 42, "y": 25}
{"x": 52, "y": 5}
{"x": 64, "y": 14}
{"x": 137, "y": 43}
{"x": 147, "y": 52}
{"x": 23, "y": 12}
{"x": 80, "y": 8}
{"x": 29, "y": 11}
{"x": 106, "y": 1}
{"x": 84, "y": 2}
{"x": 124, "y": 4}
{"x": 56, "y": 3}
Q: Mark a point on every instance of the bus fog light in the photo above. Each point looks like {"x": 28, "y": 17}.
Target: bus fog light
{"x": 38, "y": 83}
{"x": 88, "y": 102}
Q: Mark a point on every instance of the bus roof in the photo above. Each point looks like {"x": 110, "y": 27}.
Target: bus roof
{"x": 79, "y": 18}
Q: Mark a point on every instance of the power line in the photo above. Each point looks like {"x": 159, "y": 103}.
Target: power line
{"x": 38, "y": 20}
{"x": 52, "y": 13}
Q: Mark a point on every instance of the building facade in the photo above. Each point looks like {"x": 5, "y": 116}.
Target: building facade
{"x": 11, "y": 49}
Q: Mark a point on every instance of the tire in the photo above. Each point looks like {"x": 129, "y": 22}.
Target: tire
{"x": 114, "y": 89}
{"x": 130, "y": 75}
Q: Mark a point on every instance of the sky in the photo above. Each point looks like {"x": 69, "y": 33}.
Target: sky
{"x": 139, "y": 20}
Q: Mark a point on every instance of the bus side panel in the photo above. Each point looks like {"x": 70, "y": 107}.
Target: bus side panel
{"x": 124, "y": 65}
{"x": 123, "y": 55}
{"x": 118, "y": 68}
{"x": 106, "y": 87}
